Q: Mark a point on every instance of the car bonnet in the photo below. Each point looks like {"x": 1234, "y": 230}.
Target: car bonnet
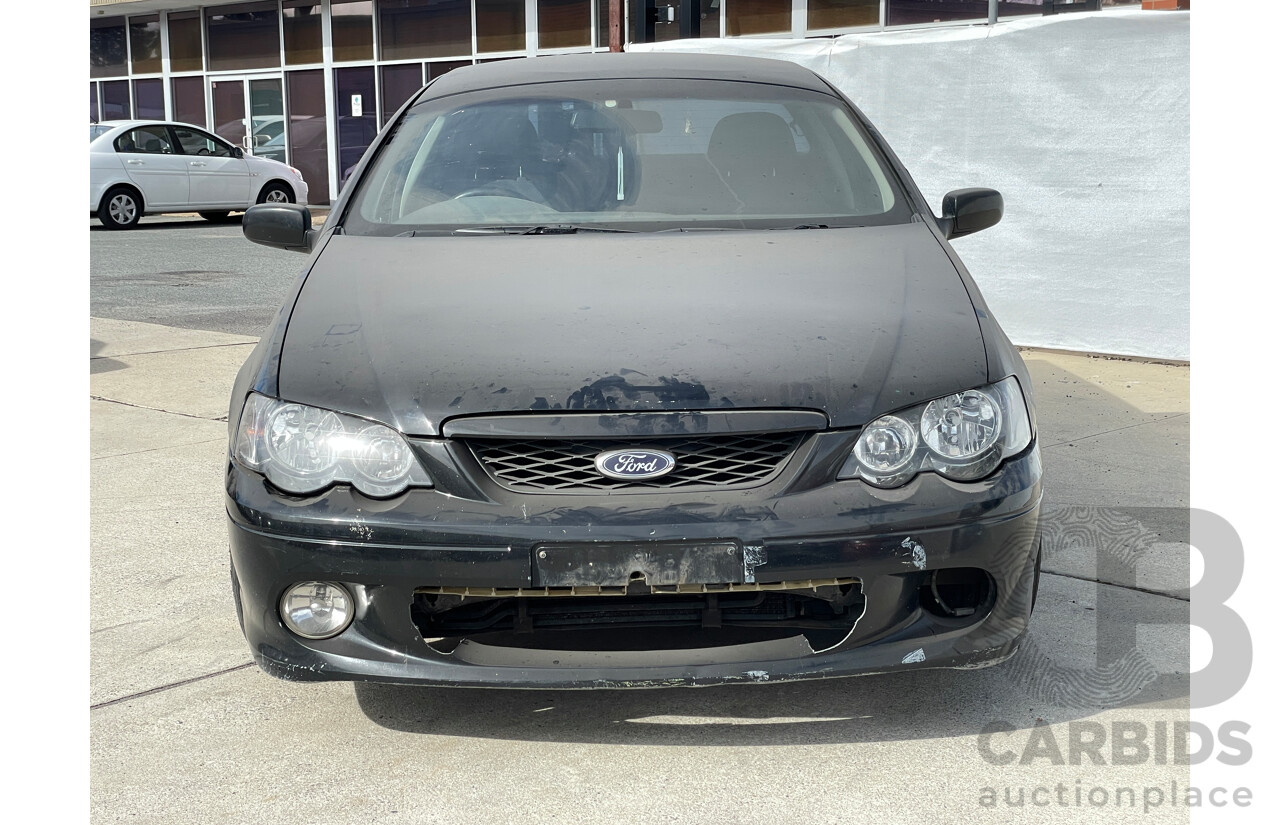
{"x": 415, "y": 331}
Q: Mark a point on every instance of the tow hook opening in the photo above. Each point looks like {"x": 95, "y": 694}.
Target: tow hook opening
{"x": 958, "y": 593}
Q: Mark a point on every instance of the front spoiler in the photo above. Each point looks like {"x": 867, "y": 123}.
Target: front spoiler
{"x": 313, "y": 666}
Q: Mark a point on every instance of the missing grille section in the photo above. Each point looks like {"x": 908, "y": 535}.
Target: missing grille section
{"x": 566, "y": 465}
{"x": 640, "y": 619}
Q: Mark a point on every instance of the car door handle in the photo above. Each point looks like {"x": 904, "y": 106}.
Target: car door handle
{"x": 134, "y": 162}
{"x": 198, "y": 163}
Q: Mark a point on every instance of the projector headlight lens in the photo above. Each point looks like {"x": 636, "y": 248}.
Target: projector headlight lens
{"x": 304, "y": 449}
{"x": 886, "y": 445}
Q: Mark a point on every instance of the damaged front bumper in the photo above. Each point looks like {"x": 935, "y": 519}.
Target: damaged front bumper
{"x": 839, "y": 580}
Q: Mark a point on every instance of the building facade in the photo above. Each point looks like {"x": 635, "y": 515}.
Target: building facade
{"x": 310, "y": 82}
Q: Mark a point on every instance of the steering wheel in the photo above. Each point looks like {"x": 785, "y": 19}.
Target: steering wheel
{"x": 493, "y": 191}
{"x": 204, "y": 151}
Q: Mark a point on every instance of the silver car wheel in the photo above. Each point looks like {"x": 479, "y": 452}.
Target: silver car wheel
{"x": 276, "y": 196}
{"x": 122, "y": 209}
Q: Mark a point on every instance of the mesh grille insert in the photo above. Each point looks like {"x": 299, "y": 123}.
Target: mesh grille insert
{"x": 710, "y": 461}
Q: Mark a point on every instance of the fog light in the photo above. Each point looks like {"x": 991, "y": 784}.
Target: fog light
{"x": 316, "y": 610}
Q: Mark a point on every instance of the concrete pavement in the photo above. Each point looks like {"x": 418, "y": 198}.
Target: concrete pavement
{"x": 185, "y": 728}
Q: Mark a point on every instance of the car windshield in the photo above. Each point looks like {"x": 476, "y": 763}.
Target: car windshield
{"x": 96, "y": 131}
{"x": 634, "y": 155}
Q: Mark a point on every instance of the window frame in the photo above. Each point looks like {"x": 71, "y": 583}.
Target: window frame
{"x": 231, "y": 150}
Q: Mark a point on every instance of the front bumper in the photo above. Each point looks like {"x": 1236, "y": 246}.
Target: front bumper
{"x": 892, "y": 541}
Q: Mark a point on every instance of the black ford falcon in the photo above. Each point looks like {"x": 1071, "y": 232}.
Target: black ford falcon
{"x": 631, "y": 370}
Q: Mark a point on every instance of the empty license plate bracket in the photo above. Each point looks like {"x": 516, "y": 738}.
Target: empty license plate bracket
{"x": 617, "y": 565}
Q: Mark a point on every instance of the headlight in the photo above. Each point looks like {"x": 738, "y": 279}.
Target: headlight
{"x": 963, "y": 436}
{"x": 886, "y": 445}
{"x": 961, "y": 426}
{"x": 303, "y": 449}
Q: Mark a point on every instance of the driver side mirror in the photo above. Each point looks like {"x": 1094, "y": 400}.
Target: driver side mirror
{"x": 965, "y": 211}
{"x": 237, "y": 152}
{"x": 281, "y": 225}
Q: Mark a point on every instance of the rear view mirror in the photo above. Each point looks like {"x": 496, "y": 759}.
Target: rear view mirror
{"x": 643, "y": 121}
{"x": 281, "y": 225}
{"x": 965, "y": 211}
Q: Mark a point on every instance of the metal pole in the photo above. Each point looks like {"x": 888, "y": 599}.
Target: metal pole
{"x": 615, "y": 25}
{"x": 992, "y": 11}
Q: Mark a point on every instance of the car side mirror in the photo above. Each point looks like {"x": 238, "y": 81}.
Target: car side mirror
{"x": 965, "y": 211}
{"x": 281, "y": 225}
{"x": 237, "y": 152}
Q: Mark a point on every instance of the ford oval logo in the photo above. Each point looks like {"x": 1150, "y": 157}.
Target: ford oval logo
{"x": 635, "y": 465}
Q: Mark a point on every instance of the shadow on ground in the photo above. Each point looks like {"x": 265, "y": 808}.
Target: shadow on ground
{"x": 97, "y": 363}
{"x": 166, "y": 222}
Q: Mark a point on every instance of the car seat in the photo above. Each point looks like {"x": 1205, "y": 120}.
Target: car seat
{"x": 755, "y": 155}
{"x": 596, "y": 168}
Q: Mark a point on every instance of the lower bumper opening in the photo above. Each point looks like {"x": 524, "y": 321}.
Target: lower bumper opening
{"x": 966, "y": 593}
{"x": 641, "y": 620}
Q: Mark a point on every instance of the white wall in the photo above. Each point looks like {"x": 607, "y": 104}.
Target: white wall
{"x": 1082, "y": 122}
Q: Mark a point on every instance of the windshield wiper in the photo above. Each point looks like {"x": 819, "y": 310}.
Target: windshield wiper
{"x": 547, "y": 229}
{"x": 825, "y": 226}
{"x": 753, "y": 229}
{"x": 705, "y": 229}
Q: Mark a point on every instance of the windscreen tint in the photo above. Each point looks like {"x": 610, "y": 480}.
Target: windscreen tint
{"x": 645, "y": 155}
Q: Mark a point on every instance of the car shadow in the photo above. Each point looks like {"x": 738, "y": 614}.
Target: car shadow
{"x": 160, "y": 222}
{"x": 99, "y": 364}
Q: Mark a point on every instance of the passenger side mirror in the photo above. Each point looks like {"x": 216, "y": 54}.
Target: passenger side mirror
{"x": 281, "y": 225}
{"x": 965, "y": 211}
{"x": 237, "y": 152}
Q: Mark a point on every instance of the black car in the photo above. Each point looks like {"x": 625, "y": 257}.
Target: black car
{"x": 628, "y": 370}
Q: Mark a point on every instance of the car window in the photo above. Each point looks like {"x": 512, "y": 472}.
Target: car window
{"x": 631, "y": 154}
{"x": 96, "y": 131}
{"x": 150, "y": 140}
{"x": 196, "y": 142}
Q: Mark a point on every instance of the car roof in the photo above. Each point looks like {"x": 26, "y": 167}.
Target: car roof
{"x": 113, "y": 124}
{"x": 620, "y": 66}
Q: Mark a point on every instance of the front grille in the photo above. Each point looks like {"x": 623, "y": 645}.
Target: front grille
{"x": 565, "y": 465}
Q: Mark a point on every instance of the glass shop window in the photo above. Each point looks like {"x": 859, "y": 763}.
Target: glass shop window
{"x": 410, "y": 29}
{"x": 757, "y": 16}
{"x": 144, "y": 44}
{"x": 186, "y": 51}
{"x": 107, "y": 50}
{"x": 499, "y": 26}
{"x": 243, "y": 36}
